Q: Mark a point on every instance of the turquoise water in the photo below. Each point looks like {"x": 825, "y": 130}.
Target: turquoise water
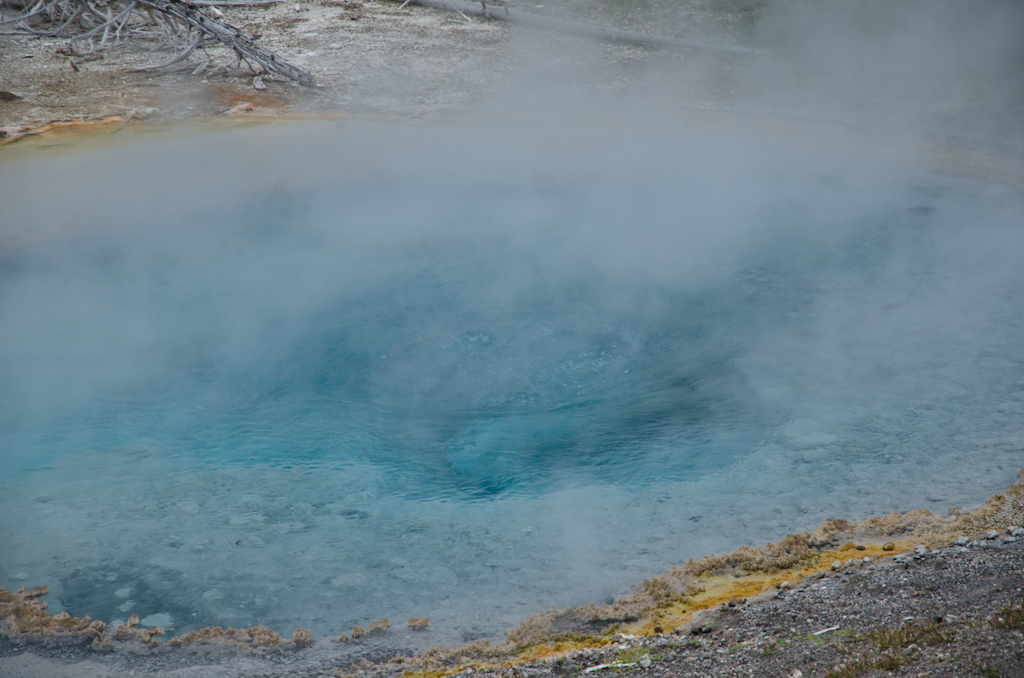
{"x": 468, "y": 375}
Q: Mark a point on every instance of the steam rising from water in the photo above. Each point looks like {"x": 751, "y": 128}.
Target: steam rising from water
{"x": 469, "y": 372}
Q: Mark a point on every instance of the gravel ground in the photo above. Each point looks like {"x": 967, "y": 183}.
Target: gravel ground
{"x": 941, "y": 605}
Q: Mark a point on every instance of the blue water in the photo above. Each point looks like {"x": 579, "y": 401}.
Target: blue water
{"x": 463, "y": 375}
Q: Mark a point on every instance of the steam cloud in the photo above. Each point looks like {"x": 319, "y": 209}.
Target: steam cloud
{"x": 588, "y": 322}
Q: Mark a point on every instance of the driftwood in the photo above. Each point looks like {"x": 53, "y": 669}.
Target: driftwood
{"x": 178, "y": 25}
{"x": 505, "y": 13}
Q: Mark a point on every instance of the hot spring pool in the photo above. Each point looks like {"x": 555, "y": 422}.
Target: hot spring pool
{"x": 320, "y": 374}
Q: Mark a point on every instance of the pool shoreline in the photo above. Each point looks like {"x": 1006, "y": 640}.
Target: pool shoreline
{"x": 682, "y": 603}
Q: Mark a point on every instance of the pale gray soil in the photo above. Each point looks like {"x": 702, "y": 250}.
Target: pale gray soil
{"x": 368, "y": 57}
{"x": 376, "y": 57}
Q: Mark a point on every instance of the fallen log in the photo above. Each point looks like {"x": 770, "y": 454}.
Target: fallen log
{"x": 181, "y": 25}
{"x": 505, "y": 13}
{"x": 224, "y": 32}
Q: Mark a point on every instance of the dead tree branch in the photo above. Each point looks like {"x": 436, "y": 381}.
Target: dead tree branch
{"x": 178, "y": 25}
{"x": 223, "y": 32}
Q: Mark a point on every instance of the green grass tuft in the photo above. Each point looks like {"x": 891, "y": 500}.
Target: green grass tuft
{"x": 633, "y": 654}
{"x": 912, "y": 634}
{"x": 888, "y": 662}
{"x": 1010, "y": 617}
{"x": 851, "y": 669}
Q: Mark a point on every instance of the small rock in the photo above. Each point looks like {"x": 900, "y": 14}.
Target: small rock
{"x": 962, "y": 541}
{"x": 379, "y": 626}
{"x": 162, "y": 619}
{"x": 105, "y": 645}
{"x": 991, "y": 534}
{"x": 1008, "y": 540}
{"x": 867, "y": 560}
{"x": 921, "y": 549}
{"x": 974, "y": 543}
{"x": 658, "y": 629}
{"x": 645, "y": 663}
{"x": 1015, "y": 531}
{"x": 302, "y": 637}
{"x": 837, "y": 565}
{"x": 258, "y": 83}
{"x": 782, "y": 585}
{"x": 861, "y": 547}
{"x": 8, "y": 96}
{"x": 418, "y": 623}
{"x": 889, "y": 546}
{"x": 797, "y": 673}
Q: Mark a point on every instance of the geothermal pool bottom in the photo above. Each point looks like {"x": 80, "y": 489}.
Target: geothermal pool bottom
{"x": 423, "y": 371}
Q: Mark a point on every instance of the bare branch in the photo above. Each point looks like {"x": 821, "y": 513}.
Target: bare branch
{"x": 180, "y": 25}
{"x": 232, "y": 37}
{"x": 181, "y": 57}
